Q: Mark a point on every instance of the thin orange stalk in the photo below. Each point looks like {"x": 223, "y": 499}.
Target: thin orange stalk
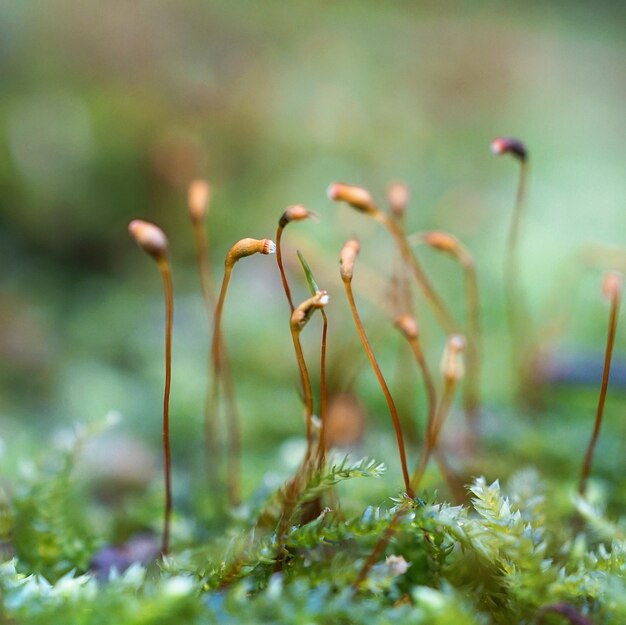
{"x": 348, "y": 257}
{"x": 306, "y": 387}
{"x": 321, "y": 451}
{"x": 241, "y": 249}
{"x": 472, "y": 389}
{"x": 233, "y": 429}
{"x": 299, "y": 319}
{"x": 279, "y": 261}
{"x": 293, "y": 212}
{"x": 398, "y": 199}
{"x": 204, "y": 267}
{"x": 383, "y": 385}
{"x": 453, "y": 371}
{"x": 432, "y": 433}
{"x": 198, "y": 207}
{"x": 515, "y": 301}
{"x": 612, "y": 287}
{"x": 408, "y": 326}
{"x": 212, "y": 398}
{"x": 164, "y": 268}
{"x": 517, "y": 311}
{"x": 153, "y": 241}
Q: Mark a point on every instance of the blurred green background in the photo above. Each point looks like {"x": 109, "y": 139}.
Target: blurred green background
{"x": 108, "y": 110}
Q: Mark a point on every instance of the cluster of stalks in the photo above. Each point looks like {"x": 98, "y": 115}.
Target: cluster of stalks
{"x": 439, "y": 394}
{"x": 362, "y": 201}
{"x": 300, "y": 315}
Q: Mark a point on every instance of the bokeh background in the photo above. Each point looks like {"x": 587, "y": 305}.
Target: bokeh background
{"x": 108, "y": 110}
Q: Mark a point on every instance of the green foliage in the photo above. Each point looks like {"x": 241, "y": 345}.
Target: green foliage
{"x": 322, "y": 481}
{"x": 131, "y": 598}
{"x": 499, "y": 560}
{"x": 257, "y": 549}
{"x": 46, "y": 520}
{"x": 301, "y": 603}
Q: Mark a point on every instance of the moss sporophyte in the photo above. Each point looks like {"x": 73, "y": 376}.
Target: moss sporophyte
{"x": 497, "y": 554}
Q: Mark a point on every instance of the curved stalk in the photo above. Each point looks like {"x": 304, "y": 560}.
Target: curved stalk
{"x": 241, "y": 249}
{"x": 313, "y": 286}
{"x": 281, "y": 268}
{"x": 216, "y": 343}
{"x": 232, "y": 416}
{"x": 452, "y": 370}
{"x": 432, "y": 432}
{"x": 612, "y": 288}
{"x": 383, "y": 385}
{"x": 517, "y": 310}
{"x": 299, "y": 319}
{"x": 407, "y": 325}
{"x": 306, "y": 387}
{"x": 296, "y": 212}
